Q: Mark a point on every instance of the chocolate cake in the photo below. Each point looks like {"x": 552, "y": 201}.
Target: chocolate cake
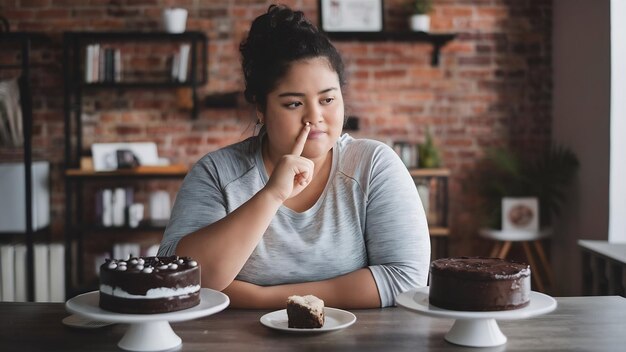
{"x": 479, "y": 284}
{"x": 146, "y": 285}
{"x": 305, "y": 312}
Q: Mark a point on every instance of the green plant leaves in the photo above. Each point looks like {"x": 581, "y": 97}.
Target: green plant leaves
{"x": 544, "y": 177}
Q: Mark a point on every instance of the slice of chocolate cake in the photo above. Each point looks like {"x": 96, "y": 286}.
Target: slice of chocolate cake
{"x": 305, "y": 312}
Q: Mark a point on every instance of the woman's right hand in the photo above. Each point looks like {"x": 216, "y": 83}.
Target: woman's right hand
{"x": 293, "y": 172}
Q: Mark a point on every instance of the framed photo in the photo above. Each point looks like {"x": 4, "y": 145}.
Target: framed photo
{"x": 521, "y": 214}
{"x": 113, "y": 156}
{"x": 351, "y": 15}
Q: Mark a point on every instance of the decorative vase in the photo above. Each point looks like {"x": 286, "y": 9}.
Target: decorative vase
{"x": 420, "y": 23}
{"x": 174, "y": 20}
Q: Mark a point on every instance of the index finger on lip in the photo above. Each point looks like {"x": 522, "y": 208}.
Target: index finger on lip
{"x": 298, "y": 147}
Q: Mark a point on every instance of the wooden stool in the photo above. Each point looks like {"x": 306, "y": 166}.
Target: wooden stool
{"x": 504, "y": 241}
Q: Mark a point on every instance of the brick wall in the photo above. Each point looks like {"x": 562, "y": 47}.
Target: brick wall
{"x": 492, "y": 87}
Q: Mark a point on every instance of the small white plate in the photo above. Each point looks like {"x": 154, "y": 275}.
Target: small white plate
{"x": 335, "y": 319}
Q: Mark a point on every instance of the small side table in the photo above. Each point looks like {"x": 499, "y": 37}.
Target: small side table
{"x": 504, "y": 241}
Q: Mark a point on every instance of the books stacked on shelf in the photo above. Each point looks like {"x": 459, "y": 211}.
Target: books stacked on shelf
{"x": 115, "y": 208}
{"x": 102, "y": 64}
{"x": 408, "y": 153}
{"x": 432, "y": 196}
{"x": 49, "y": 271}
{"x": 180, "y": 63}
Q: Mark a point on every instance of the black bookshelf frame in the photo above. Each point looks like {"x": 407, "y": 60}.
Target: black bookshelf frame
{"x": 74, "y": 89}
{"x": 437, "y": 40}
{"x": 25, "y": 41}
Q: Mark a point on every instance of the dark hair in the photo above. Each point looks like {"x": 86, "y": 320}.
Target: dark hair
{"x": 276, "y": 39}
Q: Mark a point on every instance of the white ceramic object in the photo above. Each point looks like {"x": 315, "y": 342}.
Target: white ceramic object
{"x": 335, "y": 319}
{"x": 516, "y": 235}
{"x": 174, "y": 20}
{"x": 148, "y": 332}
{"x": 475, "y": 329}
{"x": 420, "y": 23}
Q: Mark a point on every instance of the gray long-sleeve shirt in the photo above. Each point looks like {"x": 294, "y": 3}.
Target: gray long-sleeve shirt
{"x": 369, "y": 215}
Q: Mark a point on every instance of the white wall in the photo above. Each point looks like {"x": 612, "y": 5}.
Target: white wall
{"x": 581, "y": 121}
{"x": 617, "y": 214}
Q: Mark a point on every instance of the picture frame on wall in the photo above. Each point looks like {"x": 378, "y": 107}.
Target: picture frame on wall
{"x": 351, "y": 15}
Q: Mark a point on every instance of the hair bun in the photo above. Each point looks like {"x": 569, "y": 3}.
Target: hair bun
{"x": 275, "y": 40}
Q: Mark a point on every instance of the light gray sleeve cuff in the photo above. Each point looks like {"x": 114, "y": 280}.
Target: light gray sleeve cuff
{"x": 392, "y": 280}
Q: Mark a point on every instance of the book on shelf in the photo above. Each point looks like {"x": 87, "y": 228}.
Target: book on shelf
{"x": 112, "y": 207}
{"x": 56, "y": 272}
{"x": 42, "y": 281}
{"x": 118, "y": 206}
{"x": 180, "y": 63}
{"x": 7, "y": 283}
{"x": 21, "y": 286}
{"x": 408, "y": 153}
{"x": 102, "y": 64}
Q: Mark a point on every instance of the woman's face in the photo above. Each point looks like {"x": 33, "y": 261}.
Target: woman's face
{"x": 309, "y": 92}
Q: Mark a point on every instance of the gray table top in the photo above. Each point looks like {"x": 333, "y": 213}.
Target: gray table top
{"x": 578, "y": 323}
{"x": 615, "y": 251}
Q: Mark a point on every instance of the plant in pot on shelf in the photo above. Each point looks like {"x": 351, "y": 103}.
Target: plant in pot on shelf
{"x": 543, "y": 177}
{"x": 428, "y": 153}
{"x": 420, "y": 20}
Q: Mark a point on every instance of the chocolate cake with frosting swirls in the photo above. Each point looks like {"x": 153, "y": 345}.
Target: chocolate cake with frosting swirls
{"x": 147, "y": 285}
{"x": 479, "y": 284}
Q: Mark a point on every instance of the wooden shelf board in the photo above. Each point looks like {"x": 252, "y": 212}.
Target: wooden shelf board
{"x": 141, "y": 171}
{"x": 429, "y": 172}
{"x": 437, "y": 231}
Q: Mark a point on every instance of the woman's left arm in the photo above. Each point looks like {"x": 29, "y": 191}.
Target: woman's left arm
{"x": 351, "y": 291}
{"x": 396, "y": 231}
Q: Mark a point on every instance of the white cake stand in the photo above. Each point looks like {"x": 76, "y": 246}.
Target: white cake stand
{"x": 148, "y": 332}
{"x": 475, "y": 329}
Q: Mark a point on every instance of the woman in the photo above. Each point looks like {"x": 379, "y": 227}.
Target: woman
{"x": 300, "y": 208}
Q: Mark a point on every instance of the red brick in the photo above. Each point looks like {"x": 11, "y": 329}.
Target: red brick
{"x": 35, "y": 3}
{"x": 53, "y": 14}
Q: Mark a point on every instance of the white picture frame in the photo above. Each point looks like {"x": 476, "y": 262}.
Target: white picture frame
{"x": 105, "y": 157}
{"x": 351, "y": 15}
{"x": 520, "y": 214}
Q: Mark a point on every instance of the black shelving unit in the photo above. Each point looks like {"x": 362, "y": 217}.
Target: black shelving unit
{"x": 439, "y": 227}
{"x": 75, "y": 87}
{"x": 438, "y": 40}
{"x": 25, "y": 40}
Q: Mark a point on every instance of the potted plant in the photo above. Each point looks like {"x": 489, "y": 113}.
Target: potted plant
{"x": 428, "y": 153}
{"x": 420, "y": 21}
{"x": 544, "y": 177}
